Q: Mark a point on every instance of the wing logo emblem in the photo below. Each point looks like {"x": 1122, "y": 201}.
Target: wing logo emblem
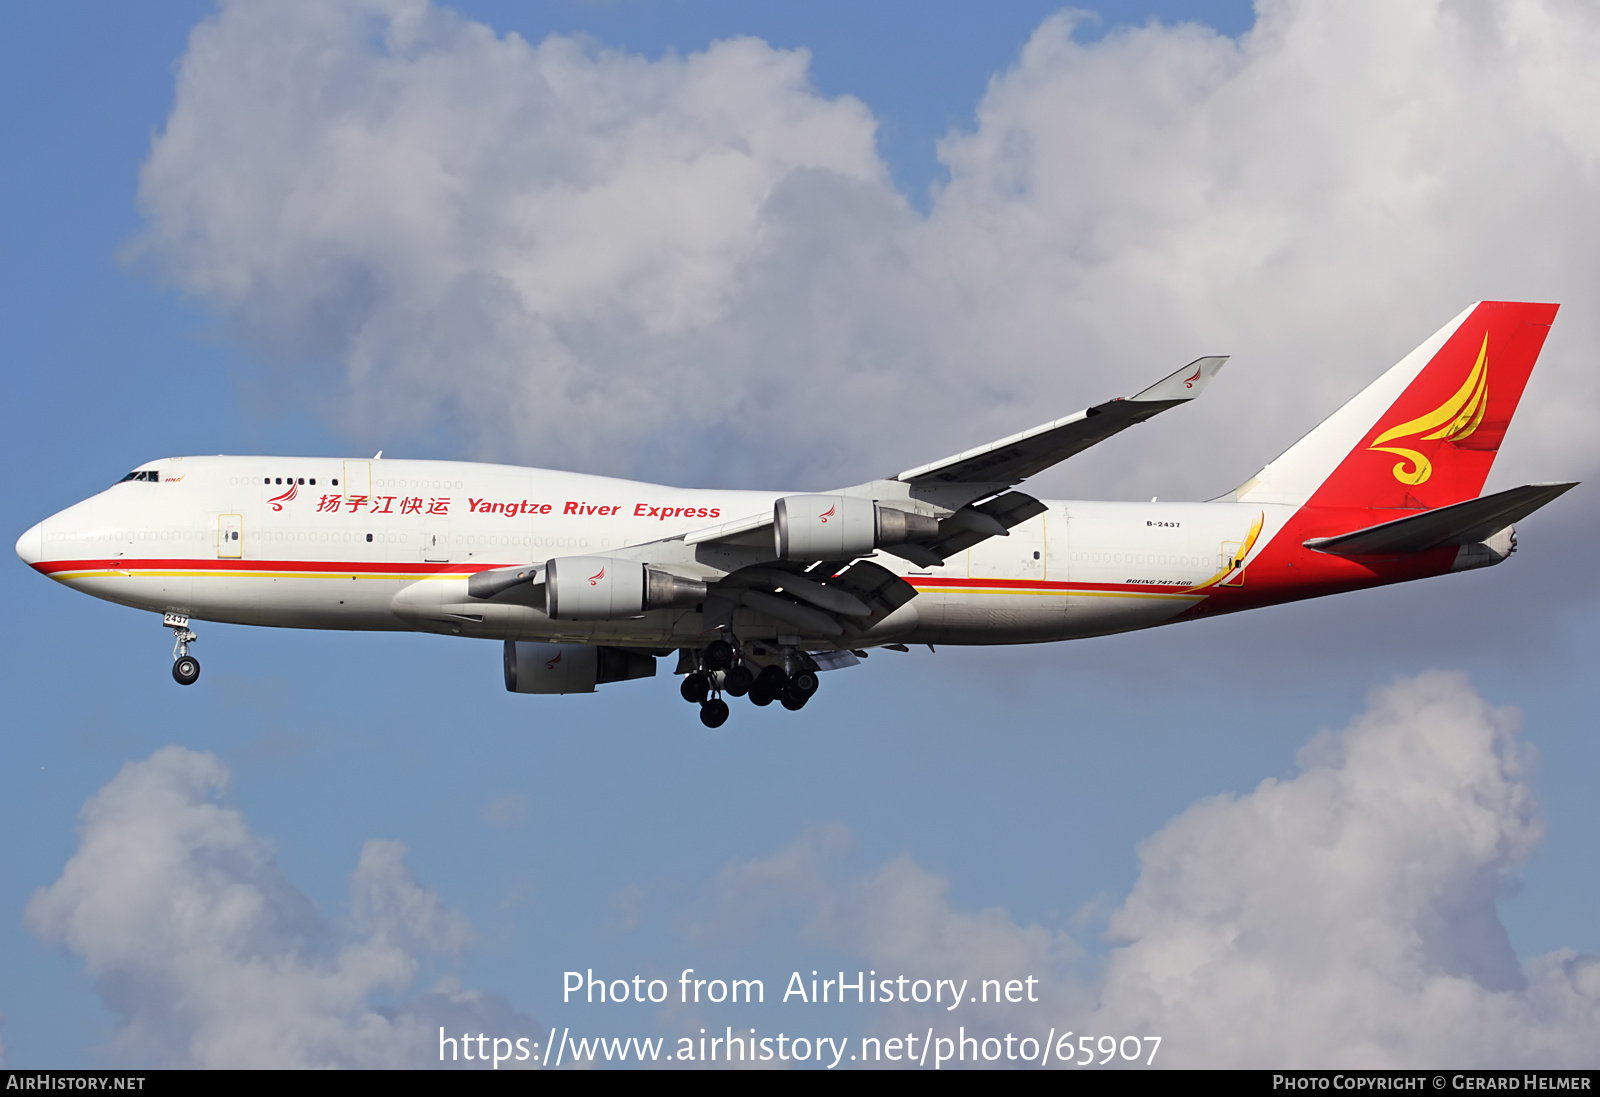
{"x": 551, "y": 664}
{"x": 1451, "y": 421}
{"x": 825, "y": 515}
{"x": 1188, "y": 382}
{"x": 594, "y": 580}
{"x": 277, "y": 501}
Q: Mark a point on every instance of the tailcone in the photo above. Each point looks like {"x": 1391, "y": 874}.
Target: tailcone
{"x": 1486, "y": 553}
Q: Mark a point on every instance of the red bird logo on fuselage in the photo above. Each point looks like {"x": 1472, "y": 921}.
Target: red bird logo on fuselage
{"x": 277, "y": 501}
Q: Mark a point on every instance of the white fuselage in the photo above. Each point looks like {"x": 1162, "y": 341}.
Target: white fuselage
{"x": 389, "y": 544}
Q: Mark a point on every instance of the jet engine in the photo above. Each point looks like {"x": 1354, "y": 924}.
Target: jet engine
{"x": 599, "y": 588}
{"x": 571, "y": 668}
{"x": 839, "y": 527}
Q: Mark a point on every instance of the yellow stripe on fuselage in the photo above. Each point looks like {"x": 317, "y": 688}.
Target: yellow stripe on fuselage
{"x": 1062, "y": 593}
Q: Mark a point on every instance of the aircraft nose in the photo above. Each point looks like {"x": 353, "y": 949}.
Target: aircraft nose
{"x": 30, "y": 546}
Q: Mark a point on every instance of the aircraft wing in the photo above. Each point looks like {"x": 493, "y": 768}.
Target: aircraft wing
{"x": 1457, "y": 524}
{"x": 1014, "y": 459}
{"x": 1008, "y": 461}
{"x": 843, "y": 598}
{"x": 754, "y": 529}
{"x": 837, "y": 598}
{"x": 961, "y": 530}
{"x": 969, "y": 525}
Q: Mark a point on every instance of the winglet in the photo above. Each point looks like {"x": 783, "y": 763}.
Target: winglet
{"x": 1186, "y": 383}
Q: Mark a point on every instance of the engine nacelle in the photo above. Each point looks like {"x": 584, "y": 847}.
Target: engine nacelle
{"x": 601, "y": 588}
{"x": 839, "y": 527}
{"x": 571, "y": 668}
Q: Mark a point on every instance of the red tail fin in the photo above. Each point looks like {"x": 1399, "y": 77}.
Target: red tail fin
{"x": 1425, "y": 434}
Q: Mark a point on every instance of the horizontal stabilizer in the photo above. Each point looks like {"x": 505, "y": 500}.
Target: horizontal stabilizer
{"x": 1458, "y": 524}
{"x": 1014, "y": 459}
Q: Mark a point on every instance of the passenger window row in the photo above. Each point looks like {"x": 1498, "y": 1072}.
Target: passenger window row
{"x": 297, "y": 536}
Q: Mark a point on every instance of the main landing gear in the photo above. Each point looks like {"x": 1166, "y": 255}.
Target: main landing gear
{"x": 185, "y": 667}
{"x": 721, "y": 669}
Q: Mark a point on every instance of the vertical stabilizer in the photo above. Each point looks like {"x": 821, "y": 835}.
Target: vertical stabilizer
{"x": 1425, "y": 434}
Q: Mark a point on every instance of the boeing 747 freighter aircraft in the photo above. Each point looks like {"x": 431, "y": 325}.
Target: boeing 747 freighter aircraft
{"x": 589, "y": 580}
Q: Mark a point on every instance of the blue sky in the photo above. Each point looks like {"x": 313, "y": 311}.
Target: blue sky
{"x": 921, "y": 790}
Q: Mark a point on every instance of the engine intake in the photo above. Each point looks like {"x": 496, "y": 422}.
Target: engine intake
{"x": 600, "y": 588}
{"x": 839, "y": 527}
{"x": 571, "y": 668}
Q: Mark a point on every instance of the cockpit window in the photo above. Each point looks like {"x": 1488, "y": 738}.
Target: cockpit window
{"x": 149, "y": 476}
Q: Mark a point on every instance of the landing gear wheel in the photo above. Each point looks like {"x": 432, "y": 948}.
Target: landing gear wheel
{"x": 793, "y": 699}
{"x": 804, "y": 683}
{"x": 737, "y": 682}
{"x": 714, "y": 713}
{"x": 185, "y": 667}
{"x": 718, "y": 655}
{"x": 185, "y": 670}
{"x": 695, "y": 687}
{"x": 768, "y": 685}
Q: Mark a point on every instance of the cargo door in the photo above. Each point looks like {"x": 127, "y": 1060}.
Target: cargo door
{"x": 1019, "y": 556}
{"x": 1007, "y": 602}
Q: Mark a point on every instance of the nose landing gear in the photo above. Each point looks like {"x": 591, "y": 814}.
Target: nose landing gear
{"x": 185, "y": 667}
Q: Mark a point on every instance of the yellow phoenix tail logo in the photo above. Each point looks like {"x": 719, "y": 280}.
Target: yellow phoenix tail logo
{"x": 1454, "y": 419}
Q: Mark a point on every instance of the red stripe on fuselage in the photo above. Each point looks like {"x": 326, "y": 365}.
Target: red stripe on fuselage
{"x": 1286, "y": 572}
{"x": 344, "y": 567}
{"x": 1055, "y": 586}
{"x": 49, "y": 567}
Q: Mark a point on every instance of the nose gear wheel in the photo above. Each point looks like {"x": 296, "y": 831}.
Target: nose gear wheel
{"x": 185, "y": 667}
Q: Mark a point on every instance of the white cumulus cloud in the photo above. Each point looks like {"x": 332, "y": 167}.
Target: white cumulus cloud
{"x": 211, "y": 957}
{"x": 1342, "y": 917}
{"x": 1346, "y": 916}
{"x": 697, "y": 266}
